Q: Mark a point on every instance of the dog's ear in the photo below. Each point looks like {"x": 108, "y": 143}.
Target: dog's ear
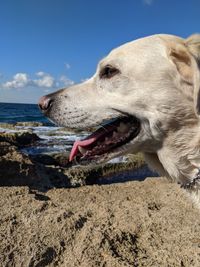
{"x": 186, "y": 57}
{"x": 193, "y": 45}
{"x": 182, "y": 59}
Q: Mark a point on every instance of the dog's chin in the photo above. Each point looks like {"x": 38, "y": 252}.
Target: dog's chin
{"x": 107, "y": 142}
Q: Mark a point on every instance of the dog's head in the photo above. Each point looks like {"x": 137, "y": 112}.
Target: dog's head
{"x": 140, "y": 92}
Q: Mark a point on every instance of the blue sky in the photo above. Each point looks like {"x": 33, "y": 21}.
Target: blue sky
{"x": 48, "y": 44}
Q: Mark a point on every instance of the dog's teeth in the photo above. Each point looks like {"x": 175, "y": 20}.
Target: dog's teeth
{"x": 123, "y": 128}
{"x": 82, "y": 150}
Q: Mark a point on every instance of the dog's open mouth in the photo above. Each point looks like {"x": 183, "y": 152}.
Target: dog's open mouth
{"x": 106, "y": 139}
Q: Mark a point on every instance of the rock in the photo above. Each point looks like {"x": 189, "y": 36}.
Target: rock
{"x": 55, "y": 170}
{"x": 95, "y": 174}
{"x": 29, "y": 124}
{"x": 13, "y": 126}
{"x": 60, "y": 172}
{"x": 7, "y": 126}
{"x": 43, "y": 159}
{"x": 62, "y": 159}
{"x": 19, "y": 139}
{"x": 6, "y": 147}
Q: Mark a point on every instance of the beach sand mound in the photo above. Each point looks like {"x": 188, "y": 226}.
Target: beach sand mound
{"x": 149, "y": 223}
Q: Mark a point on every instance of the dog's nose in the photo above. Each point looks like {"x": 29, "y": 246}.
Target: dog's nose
{"x": 45, "y": 103}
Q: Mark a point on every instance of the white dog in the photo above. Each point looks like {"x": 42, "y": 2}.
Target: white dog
{"x": 146, "y": 96}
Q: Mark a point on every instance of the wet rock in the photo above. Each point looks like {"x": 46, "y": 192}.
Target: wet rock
{"x": 19, "y": 139}
{"x": 62, "y": 159}
{"x": 49, "y": 167}
{"x": 6, "y": 147}
{"x": 93, "y": 174}
{"x": 57, "y": 159}
{"x": 43, "y": 159}
{"x": 7, "y": 126}
{"x": 30, "y": 124}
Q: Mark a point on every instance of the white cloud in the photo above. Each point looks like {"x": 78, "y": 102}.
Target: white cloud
{"x": 148, "y": 2}
{"x": 40, "y": 73}
{"x": 45, "y": 80}
{"x": 67, "y": 66}
{"x": 66, "y": 81}
{"x": 19, "y": 80}
{"x": 42, "y": 80}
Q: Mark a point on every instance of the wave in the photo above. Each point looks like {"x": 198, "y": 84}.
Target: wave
{"x": 45, "y": 149}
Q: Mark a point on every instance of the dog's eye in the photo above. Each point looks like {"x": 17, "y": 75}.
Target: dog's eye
{"x": 108, "y": 72}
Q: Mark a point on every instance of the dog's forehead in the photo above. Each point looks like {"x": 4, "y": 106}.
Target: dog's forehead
{"x": 143, "y": 47}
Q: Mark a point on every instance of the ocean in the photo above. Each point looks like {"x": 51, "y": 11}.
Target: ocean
{"x": 12, "y": 113}
{"x": 53, "y": 139}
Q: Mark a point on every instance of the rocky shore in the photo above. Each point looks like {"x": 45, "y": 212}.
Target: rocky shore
{"x": 56, "y": 214}
{"x": 46, "y": 171}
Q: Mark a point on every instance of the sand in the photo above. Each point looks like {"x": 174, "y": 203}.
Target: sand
{"x": 149, "y": 223}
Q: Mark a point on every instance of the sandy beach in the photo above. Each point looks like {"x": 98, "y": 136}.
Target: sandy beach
{"x": 148, "y": 223}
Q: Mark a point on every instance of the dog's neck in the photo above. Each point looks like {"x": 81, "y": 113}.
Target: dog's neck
{"x": 179, "y": 157}
{"x": 190, "y": 182}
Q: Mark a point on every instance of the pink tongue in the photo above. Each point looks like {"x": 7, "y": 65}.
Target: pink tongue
{"x": 83, "y": 143}
{"x": 90, "y": 139}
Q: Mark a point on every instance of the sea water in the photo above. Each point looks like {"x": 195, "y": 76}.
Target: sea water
{"x": 54, "y": 139}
